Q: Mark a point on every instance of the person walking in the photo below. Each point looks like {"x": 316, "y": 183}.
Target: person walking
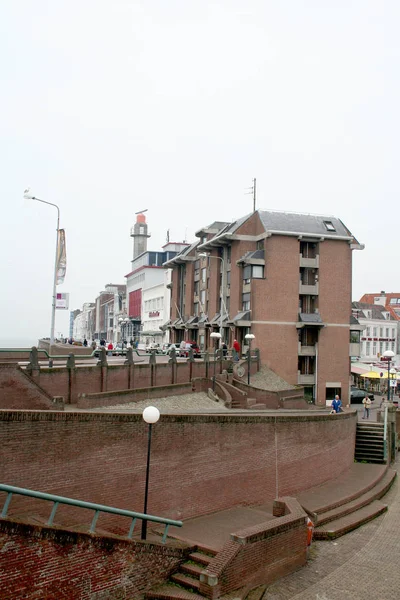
{"x": 367, "y": 405}
{"x": 337, "y": 405}
{"x": 236, "y": 348}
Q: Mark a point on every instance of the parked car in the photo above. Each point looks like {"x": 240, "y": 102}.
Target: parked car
{"x": 357, "y": 395}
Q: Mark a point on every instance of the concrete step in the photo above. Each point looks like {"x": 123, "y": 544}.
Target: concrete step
{"x": 191, "y": 569}
{"x": 201, "y": 558}
{"x": 341, "y": 526}
{"x": 171, "y": 592}
{"x": 186, "y": 581}
{"x": 345, "y": 509}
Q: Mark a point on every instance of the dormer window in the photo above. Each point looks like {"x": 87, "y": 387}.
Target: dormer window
{"x": 329, "y": 226}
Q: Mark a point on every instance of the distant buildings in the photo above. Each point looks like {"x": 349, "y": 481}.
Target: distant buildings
{"x": 284, "y": 277}
{"x": 380, "y": 315}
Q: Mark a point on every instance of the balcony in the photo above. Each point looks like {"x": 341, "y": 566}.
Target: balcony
{"x": 312, "y": 263}
{"x": 354, "y": 349}
{"x": 311, "y": 290}
{"x": 305, "y": 379}
{"x": 306, "y": 350}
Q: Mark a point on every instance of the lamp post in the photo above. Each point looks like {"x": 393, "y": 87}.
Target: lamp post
{"x": 150, "y": 415}
{"x": 389, "y": 355}
{"x": 215, "y": 336}
{"x": 205, "y": 255}
{"x": 29, "y": 196}
{"x": 249, "y": 337}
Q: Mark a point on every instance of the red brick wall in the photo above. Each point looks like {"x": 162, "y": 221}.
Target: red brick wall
{"x": 40, "y": 562}
{"x": 259, "y": 554}
{"x": 17, "y": 391}
{"x": 231, "y": 459}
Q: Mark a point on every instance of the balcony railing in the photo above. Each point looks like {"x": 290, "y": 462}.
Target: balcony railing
{"x": 306, "y": 379}
{"x": 306, "y": 350}
{"x": 312, "y": 263}
{"x": 308, "y": 289}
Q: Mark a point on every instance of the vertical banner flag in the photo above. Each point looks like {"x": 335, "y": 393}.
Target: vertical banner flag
{"x": 61, "y": 257}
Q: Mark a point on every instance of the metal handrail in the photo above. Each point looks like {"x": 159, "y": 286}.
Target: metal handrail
{"x": 98, "y": 508}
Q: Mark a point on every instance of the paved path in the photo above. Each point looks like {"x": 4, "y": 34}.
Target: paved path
{"x": 361, "y": 565}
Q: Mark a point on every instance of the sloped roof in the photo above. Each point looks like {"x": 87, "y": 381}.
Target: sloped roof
{"x": 377, "y": 310}
{"x": 303, "y": 223}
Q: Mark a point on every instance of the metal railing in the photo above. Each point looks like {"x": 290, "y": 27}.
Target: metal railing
{"x": 98, "y": 508}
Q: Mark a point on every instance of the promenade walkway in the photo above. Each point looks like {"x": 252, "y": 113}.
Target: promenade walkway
{"x": 361, "y": 565}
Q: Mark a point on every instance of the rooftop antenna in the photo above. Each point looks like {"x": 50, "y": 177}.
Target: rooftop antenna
{"x": 167, "y": 236}
{"x": 252, "y": 191}
{"x": 184, "y": 241}
{"x": 139, "y": 212}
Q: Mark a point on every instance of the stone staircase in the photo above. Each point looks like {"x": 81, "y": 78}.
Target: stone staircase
{"x": 185, "y": 583}
{"x": 370, "y": 443}
{"x": 333, "y": 521}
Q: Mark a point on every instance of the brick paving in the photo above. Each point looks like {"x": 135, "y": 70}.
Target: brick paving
{"x": 361, "y": 565}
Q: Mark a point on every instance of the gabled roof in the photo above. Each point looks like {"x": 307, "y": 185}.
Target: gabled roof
{"x": 287, "y": 223}
{"x": 183, "y": 256}
{"x": 377, "y": 310}
{"x": 304, "y": 224}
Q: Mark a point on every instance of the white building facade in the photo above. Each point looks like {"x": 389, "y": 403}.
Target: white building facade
{"x": 379, "y": 331}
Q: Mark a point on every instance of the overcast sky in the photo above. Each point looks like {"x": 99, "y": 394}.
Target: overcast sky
{"x": 113, "y": 106}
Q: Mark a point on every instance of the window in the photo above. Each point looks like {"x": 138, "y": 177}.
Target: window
{"x": 257, "y": 272}
{"x": 393, "y": 333}
{"x": 203, "y": 297}
{"x": 393, "y": 350}
{"x": 354, "y": 337}
{"x": 203, "y": 275}
{"x": 329, "y": 226}
{"x": 386, "y": 345}
{"x": 196, "y": 309}
{"x": 228, "y": 253}
{"x": 380, "y": 331}
{"x": 374, "y": 349}
{"x": 246, "y": 301}
{"x": 260, "y": 245}
{"x": 141, "y": 230}
{"x": 381, "y": 348}
{"x": 368, "y": 348}
{"x": 247, "y": 274}
{"x": 196, "y": 288}
{"x": 387, "y": 332}
{"x": 374, "y": 331}
{"x": 394, "y": 301}
{"x": 204, "y": 239}
{"x": 368, "y": 331}
{"x": 228, "y": 279}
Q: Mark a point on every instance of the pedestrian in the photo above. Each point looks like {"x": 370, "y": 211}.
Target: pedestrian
{"x": 236, "y": 349}
{"x": 224, "y": 349}
{"x": 94, "y": 345}
{"x": 337, "y": 405}
{"x": 367, "y": 405}
{"x": 85, "y": 342}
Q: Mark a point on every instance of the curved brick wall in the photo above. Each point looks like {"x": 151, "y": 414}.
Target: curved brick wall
{"x": 199, "y": 464}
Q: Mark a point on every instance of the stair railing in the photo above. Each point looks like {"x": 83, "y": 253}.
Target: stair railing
{"x": 98, "y": 508}
{"x": 385, "y": 433}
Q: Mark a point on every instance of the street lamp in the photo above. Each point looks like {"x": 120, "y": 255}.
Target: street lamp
{"x": 249, "y": 337}
{"x": 150, "y": 415}
{"x": 29, "y": 196}
{"x": 216, "y": 336}
{"x": 205, "y": 255}
{"x": 389, "y": 355}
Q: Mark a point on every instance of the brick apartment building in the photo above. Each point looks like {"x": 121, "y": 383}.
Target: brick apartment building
{"x": 284, "y": 277}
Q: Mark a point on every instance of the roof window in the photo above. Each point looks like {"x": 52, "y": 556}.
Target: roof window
{"x": 329, "y": 226}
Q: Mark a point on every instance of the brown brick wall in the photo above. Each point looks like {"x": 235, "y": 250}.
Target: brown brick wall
{"x": 40, "y": 562}
{"x": 231, "y": 459}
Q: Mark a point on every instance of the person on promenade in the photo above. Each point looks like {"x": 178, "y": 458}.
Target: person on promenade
{"x": 367, "y": 405}
{"x": 85, "y": 342}
{"x": 337, "y": 405}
